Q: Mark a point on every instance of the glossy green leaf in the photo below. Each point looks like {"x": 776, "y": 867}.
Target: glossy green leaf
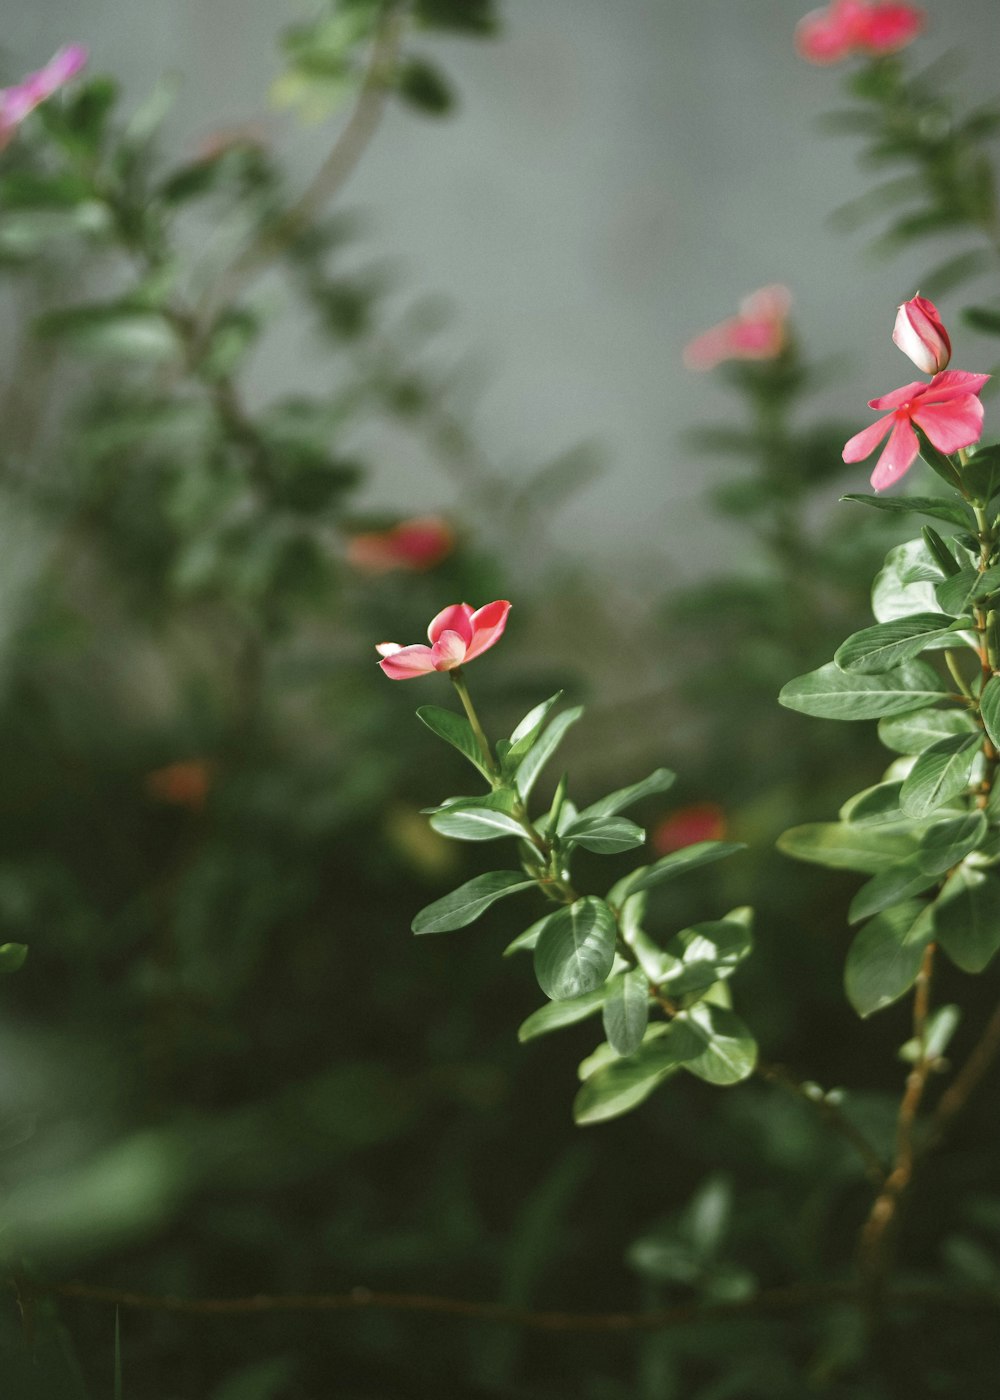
{"x": 530, "y": 727}
{"x": 455, "y": 730}
{"x": 626, "y": 1011}
{"x": 955, "y": 594}
{"x": 889, "y": 644}
{"x": 831, "y": 693}
{"x": 554, "y": 1015}
{"x": 890, "y": 887}
{"x": 947, "y": 842}
{"x": 885, "y": 957}
{"x": 543, "y": 749}
{"x": 874, "y": 806}
{"x": 989, "y": 709}
{"x": 940, "y": 551}
{"x": 464, "y": 905}
{"x": 841, "y": 846}
{"x": 708, "y": 953}
{"x": 966, "y": 918}
{"x": 720, "y": 1048}
{"x": 939, "y": 774}
{"x": 953, "y": 511}
{"x": 938, "y": 461}
{"x": 576, "y": 949}
{"x": 605, "y": 836}
{"x": 525, "y": 942}
{"x": 671, "y": 866}
{"x": 911, "y": 734}
{"x": 478, "y": 819}
{"x": 12, "y": 956}
{"x": 981, "y": 473}
{"x": 622, "y": 1084}
{"x": 616, "y": 802}
{"x": 905, "y": 583}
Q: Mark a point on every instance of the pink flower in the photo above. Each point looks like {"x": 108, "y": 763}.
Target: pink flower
{"x": 18, "y": 101}
{"x": 457, "y": 635}
{"x": 412, "y": 544}
{"x": 919, "y": 333}
{"x": 757, "y": 333}
{"x": 845, "y": 27}
{"x": 947, "y": 410}
{"x": 703, "y": 821}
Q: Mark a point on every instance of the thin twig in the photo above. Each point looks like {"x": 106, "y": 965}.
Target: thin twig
{"x": 956, "y": 1097}
{"x": 772, "y": 1301}
{"x": 875, "y": 1168}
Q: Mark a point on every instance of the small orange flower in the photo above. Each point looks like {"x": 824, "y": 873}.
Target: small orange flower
{"x": 183, "y": 784}
{"x": 702, "y": 821}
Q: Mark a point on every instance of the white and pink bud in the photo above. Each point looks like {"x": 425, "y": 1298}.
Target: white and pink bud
{"x": 919, "y": 333}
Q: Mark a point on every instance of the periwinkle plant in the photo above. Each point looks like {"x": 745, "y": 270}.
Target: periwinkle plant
{"x": 665, "y": 1007}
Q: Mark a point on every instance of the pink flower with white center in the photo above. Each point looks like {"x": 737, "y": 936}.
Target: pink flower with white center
{"x": 919, "y": 333}
{"x": 758, "y": 332}
{"x": 845, "y": 27}
{"x": 457, "y": 635}
{"x": 947, "y": 410}
{"x": 18, "y": 101}
{"x": 412, "y": 544}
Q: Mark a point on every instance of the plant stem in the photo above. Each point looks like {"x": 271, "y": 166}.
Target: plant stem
{"x": 458, "y": 681}
{"x": 777, "y": 1074}
{"x": 956, "y": 1096}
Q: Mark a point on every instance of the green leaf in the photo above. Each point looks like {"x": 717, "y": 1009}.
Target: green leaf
{"x": 626, "y": 1012}
{"x": 543, "y": 749}
{"x": 982, "y": 318}
{"x": 424, "y": 87}
{"x": 890, "y": 887}
{"x": 885, "y": 957}
{"x": 981, "y": 473}
{"x": 576, "y": 949}
{"x": 478, "y": 819}
{"x": 966, "y": 918}
{"x": 455, "y": 730}
{"x": 114, "y": 332}
{"x": 524, "y": 942}
{"x": 831, "y": 693}
{"x": 720, "y": 1048}
{"x": 937, "y": 461}
{"x": 940, "y": 552}
{"x": 605, "y": 836}
{"x": 669, "y": 867}
{"x": 911, "y": 734}
{"x": 464, "y": 905}
{"x": 954, "y": 596}
{"x": 941, "y": 1025}
{"x": 946, "y": 843}
{"x": 616, "y": 802}
{"x": 623, "y": 1084}
{"x": 989, "y": 709}
{"x": 939, "y": 774}
{"x": 841, "y": 846}
{"x": 12, "y": 956}
{"x": 905, "y": 583}
{"x": 554, "y": 1015}
{"x": 530, "y": 727}
{"x": 875, "y": 806}
{"x": 888, "y": 644}
{"x": 953, "y": 511}
{"x": 708, "y": 953}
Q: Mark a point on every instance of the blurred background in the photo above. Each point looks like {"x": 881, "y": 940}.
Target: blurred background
{"x": 226, "y": 1066}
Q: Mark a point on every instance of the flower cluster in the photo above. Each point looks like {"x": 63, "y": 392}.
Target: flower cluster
{"x": 847, "y": 27}
{"x": 19, "y": 101}
{"x": 947, "y": 409}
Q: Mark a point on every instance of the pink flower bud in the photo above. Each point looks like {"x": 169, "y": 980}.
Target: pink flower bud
{"x": 919, "y": 333}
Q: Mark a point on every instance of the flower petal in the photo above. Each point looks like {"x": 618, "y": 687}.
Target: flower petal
{"x": 448, "y": 651}
{"x": 407, "y": 662}
{"x": 951, "y": 425}
{"x": 487, "y": 627}
{"x": 890, "y": 27}
{"x": 899, "y": 455}
{"x": 863, "y": 444}
{"x": 951, "y": 383}
{"x": 454, "y": 618}
{"x": 819, "y": 38}
{"x": 899, "y": 397}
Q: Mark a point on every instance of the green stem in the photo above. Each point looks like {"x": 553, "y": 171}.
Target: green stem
{"x": 458, "y": 681}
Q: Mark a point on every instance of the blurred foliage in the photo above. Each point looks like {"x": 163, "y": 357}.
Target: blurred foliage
{"x": 225, "y": 1067}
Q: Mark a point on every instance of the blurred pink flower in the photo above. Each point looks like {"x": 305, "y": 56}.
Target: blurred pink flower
{"x": 702, "y": 821}
{"x": 919, "y": 333}
{"x": 18, "y": 101}
{"x": 415, "y": 544}
{"x": 756, "y": 333}
{"x": 845, "y": 27}
{"x": 457, "y": 635}
{"x": 947, "y": 410}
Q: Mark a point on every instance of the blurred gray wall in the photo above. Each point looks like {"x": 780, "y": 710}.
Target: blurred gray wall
{"x": 619, "y": 174}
